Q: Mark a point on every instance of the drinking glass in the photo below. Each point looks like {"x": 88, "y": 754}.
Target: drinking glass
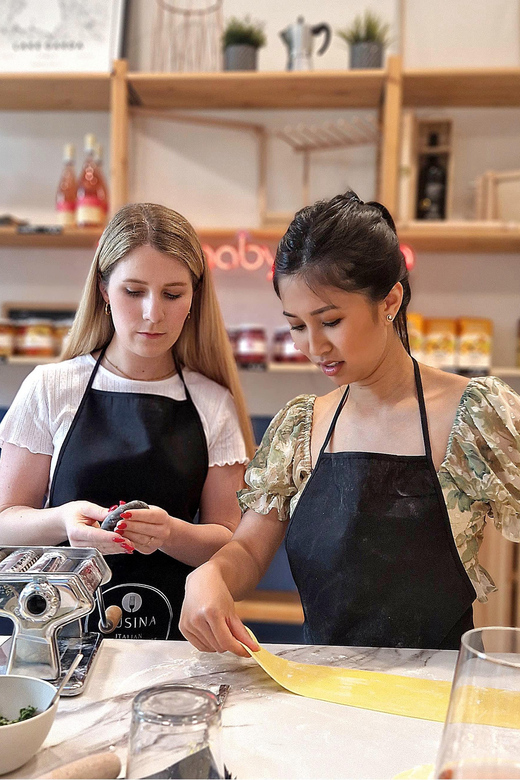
{"x": 481, "y": 737}
{"x": 175, "y": 733}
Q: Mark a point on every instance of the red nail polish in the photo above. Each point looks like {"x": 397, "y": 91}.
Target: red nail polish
{"x": 127, "y": 548}
{"x": 112, "y": 508}
{"x": 126, "y": 515}
{"x": 118, "y": 540}
{"x": 120, "y": 526}
{"x": 121, "y": 503}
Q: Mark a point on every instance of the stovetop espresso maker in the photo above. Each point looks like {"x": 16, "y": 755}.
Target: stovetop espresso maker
{"x": 298, "y": 38}
{"x": 46, "y": 591}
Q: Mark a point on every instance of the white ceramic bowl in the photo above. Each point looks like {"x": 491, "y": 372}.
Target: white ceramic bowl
{"x": 20, "y": 741}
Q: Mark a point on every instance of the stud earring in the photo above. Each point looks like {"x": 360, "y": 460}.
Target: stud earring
{"x": 389, "y": 317}
{"x": 189, "y": 315}
{"x": 107, "y": 309}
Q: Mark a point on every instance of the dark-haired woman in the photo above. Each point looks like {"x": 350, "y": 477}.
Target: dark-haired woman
{"x": 383, "y": 487}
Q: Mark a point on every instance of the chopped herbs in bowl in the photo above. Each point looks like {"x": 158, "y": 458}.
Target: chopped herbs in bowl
{"x": 25, "y": 714}
{"x": 26, "y": 718}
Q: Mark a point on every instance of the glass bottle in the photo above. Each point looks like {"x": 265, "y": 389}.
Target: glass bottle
{"x": 89, "y": 206}
{"x": 66, "y": 192}
{"x": 431, "y": 196}
{"x": 102, "y": 187}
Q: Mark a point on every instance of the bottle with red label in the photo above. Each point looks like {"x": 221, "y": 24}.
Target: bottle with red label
{"x": 91, "y": 196}
{"x": 66, "y": 193}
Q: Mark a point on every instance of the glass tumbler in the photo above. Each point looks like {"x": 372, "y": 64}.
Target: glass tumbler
{"x": 481, "y": 737}
{"x": 175, "y": 733}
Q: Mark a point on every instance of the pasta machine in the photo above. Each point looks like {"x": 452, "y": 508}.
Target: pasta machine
{"x": 46, "y": 591}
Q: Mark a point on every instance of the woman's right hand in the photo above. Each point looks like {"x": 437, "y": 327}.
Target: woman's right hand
{"x": 208, "y": 618}
{"x": 82, "y": 520}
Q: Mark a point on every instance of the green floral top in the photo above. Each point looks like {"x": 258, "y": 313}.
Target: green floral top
{"x": 480, "y": 474}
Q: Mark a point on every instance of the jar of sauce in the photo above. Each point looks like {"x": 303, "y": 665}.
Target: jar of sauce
{"x": 251, "y": 347}
{"x": 6, "y": 338}
{"x": 61, "y": 331}
{"x": 284, "y": 350}
{"x": 34, "y": 338}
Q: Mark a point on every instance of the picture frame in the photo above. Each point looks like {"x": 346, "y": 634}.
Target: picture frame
{"x": 60, "y": 36}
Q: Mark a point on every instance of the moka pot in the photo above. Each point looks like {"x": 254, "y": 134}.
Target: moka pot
{"x": 299, "y": 39}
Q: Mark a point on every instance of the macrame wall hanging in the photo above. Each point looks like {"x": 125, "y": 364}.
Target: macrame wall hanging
{"x": 187, "y": 36}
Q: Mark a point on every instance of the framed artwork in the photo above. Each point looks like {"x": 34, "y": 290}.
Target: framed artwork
{"x": 60, "y": 35}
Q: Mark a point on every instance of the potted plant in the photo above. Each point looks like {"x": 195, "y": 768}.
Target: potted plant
{"x": 241, "y": 41}
{"x": 367, "y": 37}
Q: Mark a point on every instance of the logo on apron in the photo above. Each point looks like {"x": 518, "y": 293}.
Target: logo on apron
{"x": 147, "y": 613}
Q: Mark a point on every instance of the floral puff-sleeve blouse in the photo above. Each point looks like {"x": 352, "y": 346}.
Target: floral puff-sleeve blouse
{"x": 480, "y": 474}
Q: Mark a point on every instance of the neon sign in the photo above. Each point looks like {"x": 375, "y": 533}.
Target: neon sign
{"x": 252, "y": 257}
{"x": 246, "y": 255}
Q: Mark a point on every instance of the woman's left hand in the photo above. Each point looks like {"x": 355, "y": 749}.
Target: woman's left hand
{"x": 147, "y": 529}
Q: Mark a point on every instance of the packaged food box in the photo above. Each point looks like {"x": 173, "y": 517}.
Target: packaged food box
{"x": 440, "y": 342}
{"x": 475, "y": 342}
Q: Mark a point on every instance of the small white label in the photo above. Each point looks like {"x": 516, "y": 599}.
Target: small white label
{"x": 250, "y": 346}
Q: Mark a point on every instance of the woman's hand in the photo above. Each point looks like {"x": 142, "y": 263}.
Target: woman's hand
{"x": 82, "y": 520}
{"x": 146, "y": 529}
{"x": 208, "y": 617}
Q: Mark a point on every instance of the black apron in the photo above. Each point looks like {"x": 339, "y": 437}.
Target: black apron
{"x": 372, "y": 551}
{"x": 126, "y": 446}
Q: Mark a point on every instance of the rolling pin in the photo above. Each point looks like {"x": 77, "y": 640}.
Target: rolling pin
{"x": 97, "y": 767}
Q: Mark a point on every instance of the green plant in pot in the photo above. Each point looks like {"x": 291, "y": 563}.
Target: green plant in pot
{"x": 241, "y": 41}
{"x": 367, "y": 38}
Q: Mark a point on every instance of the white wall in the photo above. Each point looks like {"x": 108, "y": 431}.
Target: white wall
{"x": 211, "y": 175}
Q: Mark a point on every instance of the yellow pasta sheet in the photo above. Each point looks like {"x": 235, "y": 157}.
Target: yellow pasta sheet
{"x": 396, "y": 694}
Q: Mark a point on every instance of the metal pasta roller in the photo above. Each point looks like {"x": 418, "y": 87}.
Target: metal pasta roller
{"x": 46, "y": 591}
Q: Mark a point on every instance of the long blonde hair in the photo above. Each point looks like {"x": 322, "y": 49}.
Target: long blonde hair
{"x": 203, "y": 345}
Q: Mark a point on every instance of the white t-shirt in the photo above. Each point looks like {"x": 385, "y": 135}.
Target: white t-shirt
{"x": 44, "y": 407}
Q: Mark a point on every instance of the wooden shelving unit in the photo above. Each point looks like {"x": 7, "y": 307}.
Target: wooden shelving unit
{"x": 315, "y": 89}
{"x": 386, "y": 91}
{"x": 70, "y": 238}
{"x": 55, "y": 91}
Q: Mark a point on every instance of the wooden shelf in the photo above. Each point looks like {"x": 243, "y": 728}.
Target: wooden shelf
{"x": 70, "y": 238}
{"x": 55, "y": 91}
{"x": 463, "y": 87}
{"x": 271, "y": 606}
{"x": 24, "y": 360}
{"x": 505, "y": 371}
{"x": 422, "y": 236}
{"x": 289, "y": 368}
{"x": 239, "y": 89}
{"x": 461, "y": 237}
{"x": 281, "y": 368}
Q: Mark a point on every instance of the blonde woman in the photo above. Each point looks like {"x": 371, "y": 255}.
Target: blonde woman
{"x": 145, "y": 404}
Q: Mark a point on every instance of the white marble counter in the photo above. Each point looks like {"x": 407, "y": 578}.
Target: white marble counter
{"x": 267, "y": 732}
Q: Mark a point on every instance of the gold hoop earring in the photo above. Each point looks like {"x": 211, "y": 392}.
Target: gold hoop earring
{"x": 108, "y": 310}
